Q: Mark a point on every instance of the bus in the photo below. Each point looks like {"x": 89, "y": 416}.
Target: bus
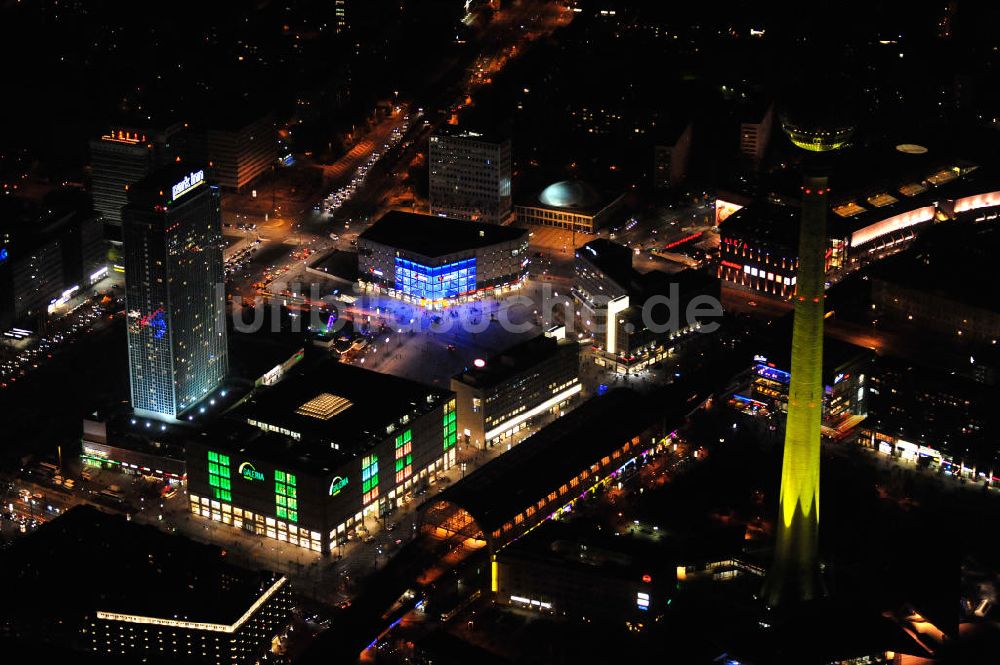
{"x": 112, "y": 497}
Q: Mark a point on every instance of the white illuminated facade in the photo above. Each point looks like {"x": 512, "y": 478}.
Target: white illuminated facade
{"x": 140, "y": 638}
{"x": 892, "y": 224}
{"x": 615, "y": 307}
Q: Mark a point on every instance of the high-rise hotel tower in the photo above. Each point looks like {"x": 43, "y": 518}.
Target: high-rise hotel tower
{"x": 174, "y": 291}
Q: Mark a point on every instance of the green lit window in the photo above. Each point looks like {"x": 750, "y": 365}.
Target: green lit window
{"x": 404, "y": 460}
{"x": 449, "y": 426}
{"x": 369, "y": 479}
{"x": 218, "y": 476}
{"x": 284, "y": 487}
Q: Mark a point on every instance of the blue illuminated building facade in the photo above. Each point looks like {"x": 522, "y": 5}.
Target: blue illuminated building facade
{"x": 174, "y": 292}
{"x": 434, "y": 261}
{"x": 435, "y": 282}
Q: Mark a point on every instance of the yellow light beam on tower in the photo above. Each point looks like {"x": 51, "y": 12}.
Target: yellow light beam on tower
{"x": 794, "y": 576}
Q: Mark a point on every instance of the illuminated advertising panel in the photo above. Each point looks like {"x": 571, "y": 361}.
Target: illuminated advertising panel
{"x": 189, "y": 182}
{"x": 724, "y": 209}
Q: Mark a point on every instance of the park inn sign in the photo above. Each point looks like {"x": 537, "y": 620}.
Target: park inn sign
{"x": 189, "y": 182}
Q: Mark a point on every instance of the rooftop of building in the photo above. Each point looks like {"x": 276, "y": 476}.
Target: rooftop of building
{"x": 628, "y": 554}
{"x": 513, "y": 361}
{"x": 690, "y": 283}
{"x": 573, "y": 195}
{"x": 87, "y": 560}
{"x": 764, "y": 222}
{"x": 776, "y": 349}
{"x": 948, "y": 261}
{"x": 609, "y": 257}
{"x": 856, "y": 204}
{"x": 251, "y": 356}
{"x": 433, "y": 236}
{"x": 34, "y": 214}
{"x": 497, "y": 491}
{"x": 158, "y": 187}
{"x": 339, "y": 404}
{"x": 668, "y": 131}
{"x": 483, "y": 134}
{"x": 615, "y": 261}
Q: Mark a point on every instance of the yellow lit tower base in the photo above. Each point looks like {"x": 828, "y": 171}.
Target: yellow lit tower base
{"x": 794, "y": 575}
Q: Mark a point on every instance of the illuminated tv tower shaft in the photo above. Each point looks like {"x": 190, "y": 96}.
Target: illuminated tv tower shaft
{"x": 795, "y": 572}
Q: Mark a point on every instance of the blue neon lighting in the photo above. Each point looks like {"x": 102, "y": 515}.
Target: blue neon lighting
{"x": 159, "y": 325}
{"x": 437, "y": 282}
{"x": 3, "y": 254}
{"x": 772, "y": 373}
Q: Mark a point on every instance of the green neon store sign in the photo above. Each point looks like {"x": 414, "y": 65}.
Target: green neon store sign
{"x": 248, "y": 472}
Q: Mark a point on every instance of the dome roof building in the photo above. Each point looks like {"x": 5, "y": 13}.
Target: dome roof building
{"x": 570, "y": 204}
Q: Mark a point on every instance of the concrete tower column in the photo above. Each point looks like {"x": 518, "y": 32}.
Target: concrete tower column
{"x": 794, "y": 575}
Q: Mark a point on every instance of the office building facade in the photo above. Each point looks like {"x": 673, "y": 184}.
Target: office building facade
{"x": 671, "y": 158}
{"x": 174, "y": 291}
{"x": 122, "y": 157}
{"x": 50, "y": 251}
{"x": 470, "y": 175}
{"x": 611, "y": 296}
{"x": 755, "y": 134}
{"x": 239, "y": 154}
{"x": 500, "y": 396}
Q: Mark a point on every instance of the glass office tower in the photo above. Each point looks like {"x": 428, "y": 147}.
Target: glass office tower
{"x": 174, "y": 291}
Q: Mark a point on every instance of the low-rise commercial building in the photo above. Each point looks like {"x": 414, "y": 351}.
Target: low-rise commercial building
{"x": 616, "y": 306}
{"x": 934, "y": 285}
{"x": 602, "y": 440}
{"x": 846, "y": 371}
{"x": 580, "y": 573}
{"x": 759, "y": 240}
{"x": 172, "y": 599}
{"x": 117, "y": 442}
{"x": 321, "y": 451}
{"x": 571, "y": 205}
{"x": 433, "y": 261}
{"x": 499, "y": 396}
{"x": 932, "y": 418}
